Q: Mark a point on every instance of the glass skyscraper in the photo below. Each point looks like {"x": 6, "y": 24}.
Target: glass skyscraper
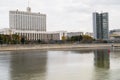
{"x": 100, "y": 26}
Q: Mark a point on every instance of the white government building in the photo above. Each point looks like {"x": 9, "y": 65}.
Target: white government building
{"x": 30, "y": 25}
{"x": 22, "y": 20}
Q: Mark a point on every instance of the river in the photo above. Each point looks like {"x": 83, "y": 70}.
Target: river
{"x": 99, "y": 64}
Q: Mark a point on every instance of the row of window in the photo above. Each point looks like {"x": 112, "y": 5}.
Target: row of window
{"x": 35, "y": 36}
{"x": 25, "y": 22}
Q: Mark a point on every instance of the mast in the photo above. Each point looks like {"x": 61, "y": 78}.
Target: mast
{"x": 28, "y": 8}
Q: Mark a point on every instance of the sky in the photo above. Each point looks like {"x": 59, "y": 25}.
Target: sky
{"x": 67, "y": 15}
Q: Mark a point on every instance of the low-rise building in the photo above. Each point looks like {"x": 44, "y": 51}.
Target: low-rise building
{"x": 70, "y": 34}
{"x": 115, "y": 35}
{"x": 35, "y": 35}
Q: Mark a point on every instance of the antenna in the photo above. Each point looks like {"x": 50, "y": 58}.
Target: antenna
{"x": 28, "y": 8}
{"x": 28, "y": 3}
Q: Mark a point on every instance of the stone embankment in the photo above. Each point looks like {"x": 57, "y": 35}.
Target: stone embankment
{"x": 54, "y": 46}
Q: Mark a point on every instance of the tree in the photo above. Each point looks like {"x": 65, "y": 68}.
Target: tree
{"x": 23, "y": 40}
{"x": 9, "y": 39}
{"x": 77, "y": 38}
{"x": 1, "y": 39}
{"x": 87, "y": 39}
{"x": 15, "y": 39}
{"x": 39, "y": 41}
{"x": 63, "y": 38}
{"x": 4, "y": 39}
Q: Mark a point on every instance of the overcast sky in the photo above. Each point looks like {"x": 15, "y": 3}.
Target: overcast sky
{"x": 69, "y": 15}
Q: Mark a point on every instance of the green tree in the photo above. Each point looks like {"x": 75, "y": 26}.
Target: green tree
{"x": 1, "y": 39}
{"x": 15, "y": 39}
{"x": 23, "y": 40}
{"x": 87, "y": 39}
{"x": 77, "y": 38}
{"x": 39, "y": 41}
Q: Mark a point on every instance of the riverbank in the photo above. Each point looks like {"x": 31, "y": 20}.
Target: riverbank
{"x": 54, "y": 46}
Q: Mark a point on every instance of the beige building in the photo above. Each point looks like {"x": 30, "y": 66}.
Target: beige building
{"x": 115, "y": 34}
{"x": 70, "y": 34}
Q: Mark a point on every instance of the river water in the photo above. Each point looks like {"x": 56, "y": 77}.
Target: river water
{"x": 60, "y": 65}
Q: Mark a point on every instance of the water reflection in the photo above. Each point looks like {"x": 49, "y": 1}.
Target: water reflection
{"x": 82, "y": 51}
{"x": 101, "y": 58}
{"x": 5, "y": 59}
{"x": 59, "y": 65}
{"x": 27, "y": 66}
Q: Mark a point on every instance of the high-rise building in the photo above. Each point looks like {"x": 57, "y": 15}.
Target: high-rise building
{"x": 100, "y": 25}
{"x": 26, "y": 20}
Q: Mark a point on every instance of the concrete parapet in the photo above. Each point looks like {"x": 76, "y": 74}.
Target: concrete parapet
{"x": 52, "y": 46}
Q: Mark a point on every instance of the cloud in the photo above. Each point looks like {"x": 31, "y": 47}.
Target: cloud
{"x": 67, "y": 15}
{"x": 77, "y": 8}
{"x": 106, "y": 2}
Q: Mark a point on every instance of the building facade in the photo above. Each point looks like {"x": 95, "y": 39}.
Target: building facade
{"x": 70, "y": 34}
{"x": 35, "y": 35}
{"x": 101, "y": 26}
{"x": 115, "y": 35}
{"x": 31, "y": 26}
{"x": 26, "y": 20}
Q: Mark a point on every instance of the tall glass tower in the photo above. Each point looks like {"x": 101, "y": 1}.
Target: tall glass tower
{"x": 100, "y": 26}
